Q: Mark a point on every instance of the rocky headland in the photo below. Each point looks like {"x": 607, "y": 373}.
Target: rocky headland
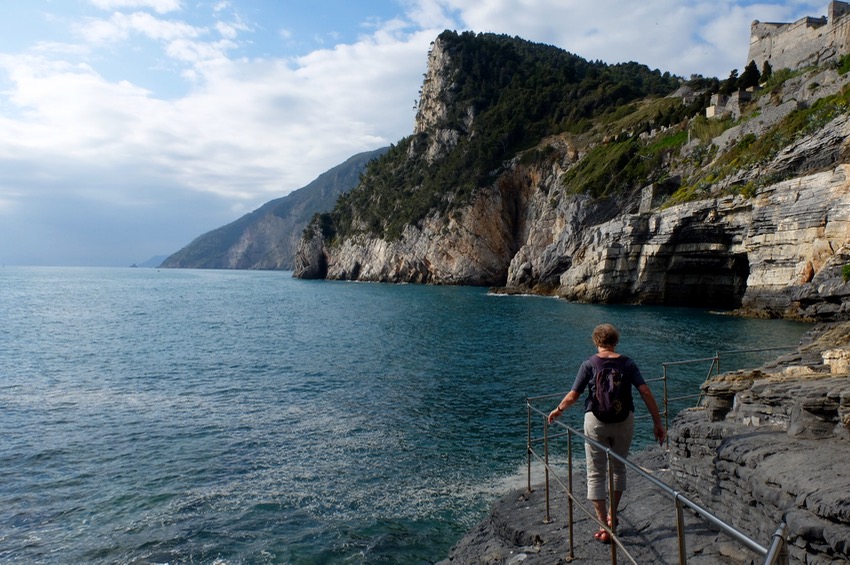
{"x": 765, "y": 445}
{"x": 268, "y": 237}
{"x": 726, "y": 223}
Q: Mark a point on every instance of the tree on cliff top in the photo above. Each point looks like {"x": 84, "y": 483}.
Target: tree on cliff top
{"x": 750, "y": 77}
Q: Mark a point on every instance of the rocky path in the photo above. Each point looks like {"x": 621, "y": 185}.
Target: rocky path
{"x": 515, "y": 531}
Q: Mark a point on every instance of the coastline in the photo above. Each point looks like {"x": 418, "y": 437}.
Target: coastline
{"x": 759, "y": 450}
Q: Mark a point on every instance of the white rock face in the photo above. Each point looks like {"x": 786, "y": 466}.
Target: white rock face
{"x": 779, "y": 253}
{"x": 471, "y": 248}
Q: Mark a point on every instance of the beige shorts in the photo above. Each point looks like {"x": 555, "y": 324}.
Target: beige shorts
{"x": 618, "y": 437}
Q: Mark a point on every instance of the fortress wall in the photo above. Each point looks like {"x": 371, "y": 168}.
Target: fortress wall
{"x": 841, "y": 36}
{"x": 789, "y": 46}
{"x": 808, "y": 41}
{"x": 838, "y": 10}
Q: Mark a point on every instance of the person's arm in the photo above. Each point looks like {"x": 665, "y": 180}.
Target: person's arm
{"x": 652, "y": 406}
{"x": 567, "y": 401}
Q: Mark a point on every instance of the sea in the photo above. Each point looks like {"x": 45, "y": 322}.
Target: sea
{"x": 200, "y": 416}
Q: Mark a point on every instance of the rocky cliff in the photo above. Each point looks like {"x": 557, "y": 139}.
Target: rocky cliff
{"x": 774, "y": 443}
{"x": 754, "y": 217}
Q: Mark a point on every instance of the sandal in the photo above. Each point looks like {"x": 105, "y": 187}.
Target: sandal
{"x": 603, "y": 536}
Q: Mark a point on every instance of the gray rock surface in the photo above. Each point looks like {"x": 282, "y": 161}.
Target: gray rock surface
{"x": 516, "y": 531}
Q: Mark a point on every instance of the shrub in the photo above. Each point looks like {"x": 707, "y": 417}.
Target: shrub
{"x": 844, "y": 65}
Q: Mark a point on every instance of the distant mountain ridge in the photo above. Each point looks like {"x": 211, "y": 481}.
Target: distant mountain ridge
{"x": 268, "y": 237}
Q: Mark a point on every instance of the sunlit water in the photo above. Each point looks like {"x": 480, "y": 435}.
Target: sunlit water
{"x": 153, "y": 416}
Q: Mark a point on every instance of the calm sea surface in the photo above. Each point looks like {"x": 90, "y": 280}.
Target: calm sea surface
{"x": 177, "y": 416}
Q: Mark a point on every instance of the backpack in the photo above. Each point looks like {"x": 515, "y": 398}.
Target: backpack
{"x": 610, "y": 399}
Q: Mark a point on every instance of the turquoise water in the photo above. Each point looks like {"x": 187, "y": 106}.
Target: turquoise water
{"x": 154, "y": 416}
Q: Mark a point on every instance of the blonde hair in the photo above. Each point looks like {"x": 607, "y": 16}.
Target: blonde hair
{"x": 606, "y": 336}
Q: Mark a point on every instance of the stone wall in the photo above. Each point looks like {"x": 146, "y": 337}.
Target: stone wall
{"x": 808, "y": 41}
{"x": 774, "y": 444}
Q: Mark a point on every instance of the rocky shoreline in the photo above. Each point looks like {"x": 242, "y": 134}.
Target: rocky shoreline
{"x": 766, "y": 445}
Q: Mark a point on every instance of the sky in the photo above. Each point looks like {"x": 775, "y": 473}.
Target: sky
{"x": 130, "y": 127}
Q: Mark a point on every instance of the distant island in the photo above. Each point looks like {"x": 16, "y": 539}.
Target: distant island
{"x": 151, "y": 263}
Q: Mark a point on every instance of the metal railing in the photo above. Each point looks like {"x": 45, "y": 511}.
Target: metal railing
{"x": 775, "y": 553}
{"x": 713, "y": 370}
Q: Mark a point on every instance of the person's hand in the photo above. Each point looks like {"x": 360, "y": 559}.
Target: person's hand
{"x": 553, "y": 415}
{"x": 660, "y": 432}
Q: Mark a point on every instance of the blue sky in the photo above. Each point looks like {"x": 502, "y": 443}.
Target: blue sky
{"x": 130, "y": 127}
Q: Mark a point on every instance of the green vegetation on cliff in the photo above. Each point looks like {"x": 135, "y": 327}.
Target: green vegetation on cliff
{"x": 613, "y": 129}
{"x": 517, "y": 92}
{"x": 751, "y": 151}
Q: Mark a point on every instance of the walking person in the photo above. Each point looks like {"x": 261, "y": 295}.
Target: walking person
{"x": 608, "y": 418}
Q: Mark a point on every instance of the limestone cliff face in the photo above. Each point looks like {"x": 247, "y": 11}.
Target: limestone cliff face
{"x": 472, "y": 248}
{"x": 777, "y": 252}
{"x": 434, "y": 103}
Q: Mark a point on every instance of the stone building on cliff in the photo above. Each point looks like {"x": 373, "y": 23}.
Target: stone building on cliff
{"x": 806, "y": 42}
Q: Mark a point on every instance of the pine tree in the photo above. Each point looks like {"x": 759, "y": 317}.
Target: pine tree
{"x": 750, "y": 77}
{"x": 730, "y": 84}
{"x": 766, "y": 72}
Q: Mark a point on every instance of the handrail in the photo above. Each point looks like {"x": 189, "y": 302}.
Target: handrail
{"x": 776, "y": 553}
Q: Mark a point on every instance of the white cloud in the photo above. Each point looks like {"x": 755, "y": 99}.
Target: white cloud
{"x": 697, "y": 36}
{"x": 158, "y": 6}
{"x": 247, "y": 130}
{"x": 120, "y": 27}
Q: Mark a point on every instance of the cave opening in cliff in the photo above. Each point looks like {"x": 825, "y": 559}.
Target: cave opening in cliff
{"x": 707, "y": 281}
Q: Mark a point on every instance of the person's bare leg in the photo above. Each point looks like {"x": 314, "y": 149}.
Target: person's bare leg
{"x": 601, "y": 508}
{"x": 618, "y": 495}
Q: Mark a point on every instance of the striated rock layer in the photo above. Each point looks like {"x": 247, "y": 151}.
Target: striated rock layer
{"x": 780, "y": 253}
{"x": 777, "y": 254}
{"x": 774, "y": 444}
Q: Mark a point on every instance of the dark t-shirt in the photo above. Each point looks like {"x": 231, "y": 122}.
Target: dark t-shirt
{"x": 627, "y": 367}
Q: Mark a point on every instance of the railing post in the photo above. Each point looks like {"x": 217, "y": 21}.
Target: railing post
{"x": 666, "y": 406}
{"x": 611, "y": 511}
{"x": 548, "y": 519}
{"x": 778, "y": 551}
{"x": 680, "y": 529}
{"x": 528, "y": 447}
{"x": 570, "y": 484}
